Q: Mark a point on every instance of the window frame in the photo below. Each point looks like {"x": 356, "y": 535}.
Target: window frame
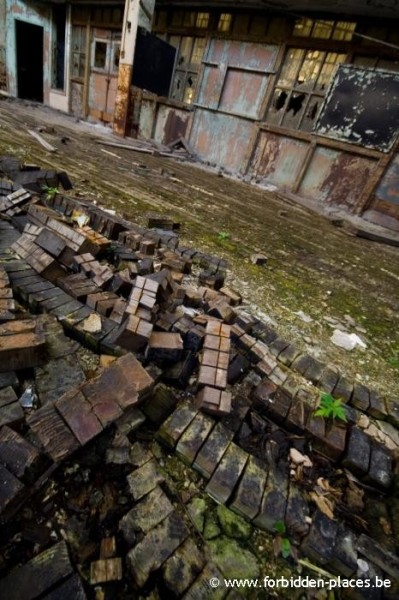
{"x": 293, "y": 90}
{"x": 187, "y": 69}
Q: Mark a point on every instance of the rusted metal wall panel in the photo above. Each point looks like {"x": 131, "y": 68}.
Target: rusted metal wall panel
{"x": 278, "y": 159}
{"x": 171, "y": 123}
{"x": 245, "y": 55}
{"x": 388, "y": 189}
{"x": 221, "y": 139}
{"x": 235, "y": 76}
{"x": 234, "y": 81}
{"x": 211, "y": 87}
{"x": 243, "y": 92}
{"x": 362, "y": 107}
{"x": 336, "y": 177}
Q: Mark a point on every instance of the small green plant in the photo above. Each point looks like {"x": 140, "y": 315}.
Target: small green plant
{"x": 282, "y": 544}
{"x": 394, "y": 361}
{"x": 50, "y": 192}
{"x": 330, "y": 408}
{"x": 223, "y": 236}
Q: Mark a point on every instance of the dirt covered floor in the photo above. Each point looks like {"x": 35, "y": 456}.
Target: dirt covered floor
{"x": 312, "y": 267}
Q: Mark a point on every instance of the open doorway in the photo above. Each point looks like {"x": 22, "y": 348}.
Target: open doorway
{"x": 29, "y": 61}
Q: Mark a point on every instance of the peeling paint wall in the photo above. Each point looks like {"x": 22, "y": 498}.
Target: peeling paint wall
{"x": 3, "y": 42}
{"x": 388, "y": 190}
{"x": 171, "y": 123}
{"x": 230, "y": 99}
{"x": 35, "y": 14}
{"x": 147, "y": 118}
{"x": 156, "y": 117}
{"x": 278, "y": 160}
{"x": 221, "y": 139}
{"x": 336, "y": 177}
{"x": 362, "y": 107}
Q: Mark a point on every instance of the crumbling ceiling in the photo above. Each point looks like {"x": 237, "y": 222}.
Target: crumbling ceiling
{"x": 371, "y": 8}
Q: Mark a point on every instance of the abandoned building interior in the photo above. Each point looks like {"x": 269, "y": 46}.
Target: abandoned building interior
{"x": 198, "y": 374}
{"x": 300, "y": 95}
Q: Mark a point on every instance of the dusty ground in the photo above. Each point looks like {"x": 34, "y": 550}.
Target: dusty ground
{"x": 313, "y": 267}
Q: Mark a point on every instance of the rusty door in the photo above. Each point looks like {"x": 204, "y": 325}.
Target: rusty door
{"x": 230, "y": 99}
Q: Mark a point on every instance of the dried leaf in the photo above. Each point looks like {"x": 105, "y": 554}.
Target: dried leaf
{"x": 323, "y": 504}
{"x": 386, "y": 526}
{"x": 277, "y": 545}
{"x": 354, "y": 497}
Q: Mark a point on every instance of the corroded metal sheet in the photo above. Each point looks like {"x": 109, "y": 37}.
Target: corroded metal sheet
{"x": 362, "y": 107}
{"x": 211, "y": 86}
{"x": 388, "y": 189}
{"x": 278, "y": 159}
{"x": 336, "y": 177}
{"x": 235, "y": 76}
{"x": 171, "y": 124}
{"x": 243, "y": 92}
{"x": 122, "y": 98}
{"x": 260, "y": 57}
{"x": 221, "y": 139}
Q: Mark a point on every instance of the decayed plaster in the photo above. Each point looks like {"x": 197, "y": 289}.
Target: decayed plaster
{"x": 35, "y": 14}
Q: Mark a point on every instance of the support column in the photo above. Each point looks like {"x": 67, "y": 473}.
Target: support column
{"x": 128, "y": 44}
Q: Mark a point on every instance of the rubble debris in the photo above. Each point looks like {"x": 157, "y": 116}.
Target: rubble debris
{"x": 22, "y": 345}
{"x": 178, "y": 366}
{"x": 259, "y": 259}
{"x": 347, "y": 341}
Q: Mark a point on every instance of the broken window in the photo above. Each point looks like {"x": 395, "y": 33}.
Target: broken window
{"x": 304, "y": 79}
{"x": 189, "y": 55}
{"x": 224, "y": 23}
{"x": 202, "y": 20}
{"x": 193, "y": 19}
{"x": 78, "y": 46}
{"x": 100, "y": 55}
{"x": 324, "y": 30}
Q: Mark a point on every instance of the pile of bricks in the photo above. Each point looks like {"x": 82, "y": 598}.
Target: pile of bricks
{"x": 120, "y": 289}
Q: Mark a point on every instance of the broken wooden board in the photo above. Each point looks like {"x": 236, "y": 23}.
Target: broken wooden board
{"x": 42, "y": 141}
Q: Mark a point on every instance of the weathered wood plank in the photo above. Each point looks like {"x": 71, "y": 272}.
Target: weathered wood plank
{"x": 17, "y": 454}
{"x": 38, "y": 575}
{"x": 54, "y": 435}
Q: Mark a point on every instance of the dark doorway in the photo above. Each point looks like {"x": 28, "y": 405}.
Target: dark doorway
{"x": 59, "y": 21}
{"x": 29, "y": 61}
